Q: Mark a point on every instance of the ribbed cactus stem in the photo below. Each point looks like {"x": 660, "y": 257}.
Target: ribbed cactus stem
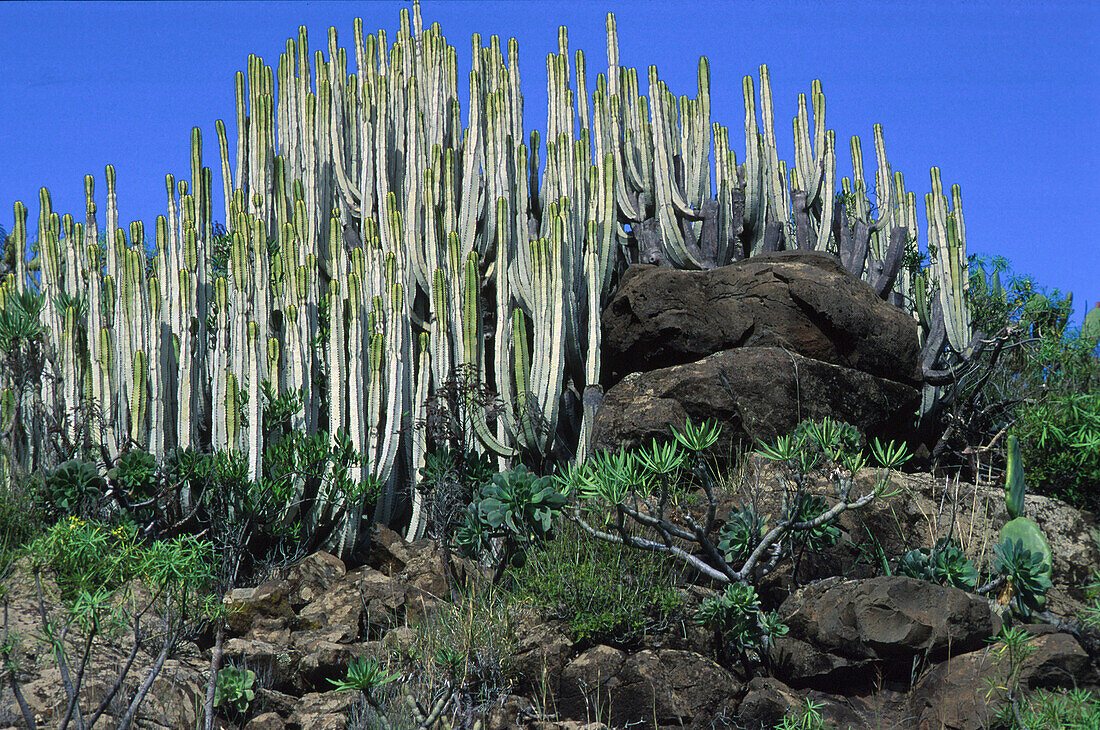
{"x": 1014, "y": 480}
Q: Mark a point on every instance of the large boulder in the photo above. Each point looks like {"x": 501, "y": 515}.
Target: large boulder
{"x": 649, "y": 689}
{"x": 838, "y": 628}
{"x": 755, "y": 393}
{"x": 961, "y": 694}
{"x": 804, "y": 302}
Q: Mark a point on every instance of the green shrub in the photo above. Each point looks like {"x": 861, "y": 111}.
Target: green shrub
{"x": 945, "y": 564}
{"x": 1076, "y": 709}
{"x": 74, "y": 488}
{"x": 607, "y": 593}
{"x": 91, "y": 557}
{"x": 1060, "y": 439}
{"x": 738, "y": 617}
{"x": 22, "y": 518}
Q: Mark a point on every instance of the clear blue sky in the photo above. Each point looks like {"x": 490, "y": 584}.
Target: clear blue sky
{"x": 1003, "y": 97}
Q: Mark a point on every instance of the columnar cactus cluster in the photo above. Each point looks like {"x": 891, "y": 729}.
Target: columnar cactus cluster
{"x": 435, "y": 246}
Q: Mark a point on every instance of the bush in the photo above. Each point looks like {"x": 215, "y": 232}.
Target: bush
{"x": 92, "y": 557}
{"x": 1060, "y": 439}
{"x": 607, "y": 593}
{"x": 1041, "y": 385}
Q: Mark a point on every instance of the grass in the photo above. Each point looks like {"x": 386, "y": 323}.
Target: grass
{"x": 605, "y": 593}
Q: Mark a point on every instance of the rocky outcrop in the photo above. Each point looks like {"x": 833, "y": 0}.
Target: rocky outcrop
{"x": 759, "y": 346}
{"x": 801, "y": 301}
{"x": 754, "y": 393}
{"x": 870, "y": 652}
{"x": 838, "y": 629}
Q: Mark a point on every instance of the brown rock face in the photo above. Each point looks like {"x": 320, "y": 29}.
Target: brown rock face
{"x": 956, "y": 695}
{"x": 754, "y": 393}
{"x": 838, "y": 626}
{"x": 662, "y": 688}
{"x": 802, "y": 301}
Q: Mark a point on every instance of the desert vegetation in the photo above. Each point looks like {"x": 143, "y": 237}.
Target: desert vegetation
{"x": 417, "y": 346}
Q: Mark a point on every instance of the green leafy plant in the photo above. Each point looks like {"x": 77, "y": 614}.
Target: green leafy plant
{"x": 945, "y": 564}
{"x": 518, "y": 507}
{"x": 74, "y": 488}
{"x": 806, "y": 717}
{"x": 741, "y": 534}
{"x": 134, "y": 473}
{"x": 19, "y": 320}
{"x": 805, "y": 507}
{"x": 1023, "y": 557}
{"x": 90, "y": 556}
{"x": 610, "y": 489}
{"x": 737, "y": 616}
{"x": 605, "y": 593}
{"x": 364, "y": 674}
{"x": 234, "y": 690}
{"x": 1026, "y": 573}
{"x": 1010, "y": 648}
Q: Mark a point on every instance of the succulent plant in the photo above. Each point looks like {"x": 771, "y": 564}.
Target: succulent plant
{"x": 74, "y": 488}
{"x": 1024, "y": 556}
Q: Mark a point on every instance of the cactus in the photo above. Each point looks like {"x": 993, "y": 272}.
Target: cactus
{"x": 348, "y": 191}
{"x": 1014, "y": 480}
{"x": 1026, "y": 538}
{"x": 1090, "y": 330}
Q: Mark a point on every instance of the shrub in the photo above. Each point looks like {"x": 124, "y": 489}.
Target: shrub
{"x": 606, "y": 593}
{"x": 945, "y": 564}
{"x": 22, "y": 518}
{"x": 90, "y": 556}
{"x": 516, "y": 507}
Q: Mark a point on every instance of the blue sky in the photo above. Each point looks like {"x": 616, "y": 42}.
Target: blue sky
{"x": 1003, "y": 97}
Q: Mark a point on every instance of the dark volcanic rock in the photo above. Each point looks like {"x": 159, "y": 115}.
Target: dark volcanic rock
{"x": 839, "y": 626}
{"x": 754, "y": 393}
{"x": 802, "y": 301}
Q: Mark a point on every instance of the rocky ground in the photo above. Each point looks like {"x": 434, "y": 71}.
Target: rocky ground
{"x": 873, "y": 650}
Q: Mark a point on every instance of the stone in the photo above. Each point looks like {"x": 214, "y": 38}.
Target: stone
{"x": 541, "y": 652}
{"x": 589, "y": 687}
{"x": 803, "y": 302}
{"x": 270, "y": 599}
{"x": 322, "y": 711}
{"x": 671, "y": 687}
{"x": 755, "y": 393}
{"x": 333, "y": 616}
{"x": 886, "y": 621}
{"x": 955, "y": 694}
{"x": 766, "y": 702}
{"x": 266, "y": 721}
{"x": 649, "y": 689}
{"x": 312, "y": 576}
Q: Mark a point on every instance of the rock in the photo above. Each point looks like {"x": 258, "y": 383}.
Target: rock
{"x": 650, "y": 689}
{"x": 955, "y": 694}
{"x": 389, "y": 552}
{"x": 541, "y": 652}
{"x": 924, "y": 508}
{"x": 312, "y": 576}
{"x": 590, "y": 684}
{"x": 837, "y": 626}
{"x": 326, "y": 660}
{"x": 267, "y": 600}
{"x": 509, "y": 714}
{"x": 334, "y": 616}
{"x": 766, "y": 702}
{"x": 277, "y": 663}
{"x": 755, "y": 393}
{"x": 266, "y": 721}
{"x": 804, "y": 302}
{"x": 672, "y": 688}
{"x": 322, "y": 711}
